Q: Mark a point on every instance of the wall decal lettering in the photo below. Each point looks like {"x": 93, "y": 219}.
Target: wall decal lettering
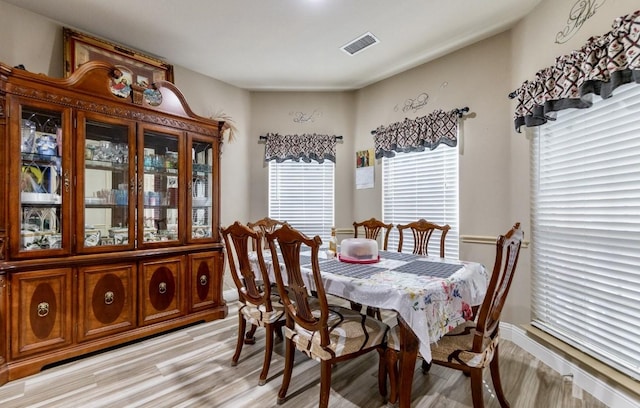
{"x": 581, "y": 11}
{"x": 414, "y": 104}
{"x": 301, "y": 117}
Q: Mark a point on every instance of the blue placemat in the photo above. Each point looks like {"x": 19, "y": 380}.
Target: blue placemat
{"x": 398, "y": 256}
{"x": 362, "y": 271}
{"x": 426, "y": 268}
{"x": 305, "y": 260}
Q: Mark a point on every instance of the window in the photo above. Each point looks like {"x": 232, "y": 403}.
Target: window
{"x": 586, "y": 229}
{"x": 422, "y": 185}
{"x": 302, "y": 194}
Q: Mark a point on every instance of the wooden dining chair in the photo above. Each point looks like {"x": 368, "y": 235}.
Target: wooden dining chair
{"x": 259, "y": 307}
{"x": 265, "y": 225}
{"x": 328, "y": 334}
{"x": 372, "y": 228}
{"x": 473, "y": 345}
{"x": 422, "y": 231}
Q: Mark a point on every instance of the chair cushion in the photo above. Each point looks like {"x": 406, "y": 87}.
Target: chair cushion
{"x": 259, "y": 316}
{"x": 349, "y": 332}
{"x": 454, "y": 346}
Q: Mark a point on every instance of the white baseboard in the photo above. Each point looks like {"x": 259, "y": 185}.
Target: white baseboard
{"x": 608, "y": 395}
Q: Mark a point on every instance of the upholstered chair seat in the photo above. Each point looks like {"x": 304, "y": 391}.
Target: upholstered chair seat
{"x": 456, "y": 346}
{"x": 349, "y": 332}
{"x": 258, "y": 314}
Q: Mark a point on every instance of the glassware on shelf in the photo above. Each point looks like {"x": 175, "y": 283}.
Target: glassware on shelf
{"x": 28, "y": 133}
{"x": 46, "y": 144}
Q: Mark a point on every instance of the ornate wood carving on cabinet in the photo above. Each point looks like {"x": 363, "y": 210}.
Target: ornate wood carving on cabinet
{"x": 109, "y": 219}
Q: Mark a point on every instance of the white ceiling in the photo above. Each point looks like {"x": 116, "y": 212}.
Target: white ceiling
{"x": 288, "y": 44}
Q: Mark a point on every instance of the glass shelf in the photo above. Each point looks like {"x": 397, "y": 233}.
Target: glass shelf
{"x": 40, "y": 179}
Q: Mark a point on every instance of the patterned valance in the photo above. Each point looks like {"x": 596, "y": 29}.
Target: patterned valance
{"x": 599, "y": 67}
{"x": 417, "y": 134}
{"x": 305, "y": 147}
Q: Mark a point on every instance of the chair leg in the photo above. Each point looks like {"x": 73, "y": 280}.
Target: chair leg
{"x": 288, "y": 368}
{"x": 494, "y": 366}
{"x": 268, "y": 351}
{"x": 476, "y": 387}
{"x": 391, "y": 357}
{"x": 426, "y": 366}
{"x": 356, "y": 306}
{"x": 242, "y": 325}
{"x": 382, "y": 372}
{"x": 325, "y": 383}
{"x": 374, "y": 312}
{"x": 249, "y": 338}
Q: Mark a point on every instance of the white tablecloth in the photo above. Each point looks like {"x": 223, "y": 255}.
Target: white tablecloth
{"x": 431, "y": 294}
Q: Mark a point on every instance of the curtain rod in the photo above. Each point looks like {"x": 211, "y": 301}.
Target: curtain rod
{"x": 461, "y": 111}
{"x": 336, "y": 137}
{"x": 458, "y": 111}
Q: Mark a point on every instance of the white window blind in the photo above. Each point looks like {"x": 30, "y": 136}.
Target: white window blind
{"x": 302, "y": 194}
{"x": 422, "y": 185}
{"x": 586, "y": 229}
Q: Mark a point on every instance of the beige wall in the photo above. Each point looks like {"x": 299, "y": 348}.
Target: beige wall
{"x": 494, "y": 163}
{"x": 30, "y": 39}
{"x": 275, "y": 112}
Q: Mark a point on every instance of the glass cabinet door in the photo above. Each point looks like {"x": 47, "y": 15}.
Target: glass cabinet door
{"x": 42, "y": 178}
{"x": 159, "y": 186}
{"x": 200, "y": 191}
{"x": 106, "y": 183}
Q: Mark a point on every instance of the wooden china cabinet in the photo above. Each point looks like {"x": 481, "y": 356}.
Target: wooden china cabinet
{"x": 109, "y": 215}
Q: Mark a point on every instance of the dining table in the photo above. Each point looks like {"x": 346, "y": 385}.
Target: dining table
{"x": 431, "y": 296}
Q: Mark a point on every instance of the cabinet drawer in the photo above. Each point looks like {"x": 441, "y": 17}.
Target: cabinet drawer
{"x": 40, "y": 311}
{"x": 205, "y": 278}
{"x": 105, "y": 300}
{"x": 161, "y": 290}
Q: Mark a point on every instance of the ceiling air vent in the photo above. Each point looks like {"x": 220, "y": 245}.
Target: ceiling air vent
{"x": 360, "y": 43}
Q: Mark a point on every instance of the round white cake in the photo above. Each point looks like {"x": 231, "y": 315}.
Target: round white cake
{"x": 359, "y": 250}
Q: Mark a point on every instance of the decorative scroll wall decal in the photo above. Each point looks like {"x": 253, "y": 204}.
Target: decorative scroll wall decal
{"x": 414, "y": 104}
{"x": 581, "y": 11}
{"x": 301, "y": 117}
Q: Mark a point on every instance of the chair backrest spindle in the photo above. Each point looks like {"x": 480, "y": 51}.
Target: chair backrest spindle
{"x": 236, "y": 238}
{"x": 294, "y": 292}
{"x": 372, "y": 228}
{"x": 265, "y": 225}
{"x": 422, "y": 231}
{"x": 507, "y": 253}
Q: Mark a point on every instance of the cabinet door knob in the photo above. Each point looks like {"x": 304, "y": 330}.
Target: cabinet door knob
{"x": 203, "y": 280}
{"x": 162, "y": 288}
{"x": 108, "y": 298}
{"x": 43, "y": 309}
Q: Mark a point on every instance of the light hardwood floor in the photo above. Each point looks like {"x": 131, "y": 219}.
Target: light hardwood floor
{"x": 191, "y": 368}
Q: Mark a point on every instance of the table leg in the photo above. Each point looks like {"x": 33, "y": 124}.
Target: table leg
{"x": 408, "y": 355}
